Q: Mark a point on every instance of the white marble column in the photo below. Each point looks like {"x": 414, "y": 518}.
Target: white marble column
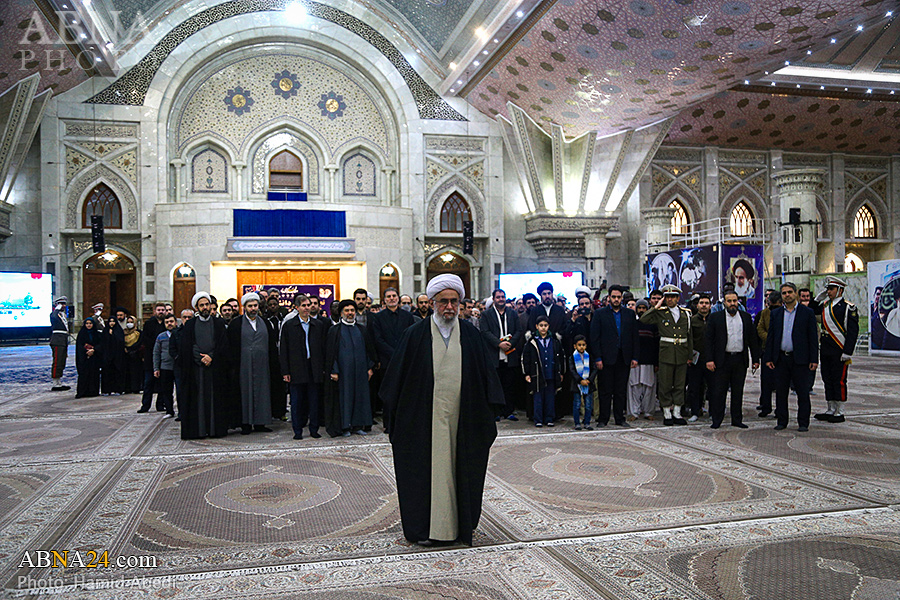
{"x": 386, "y": 174}
{"x": 330, "y": 194}
{"x": 238, "y": 193}
{"x": 657, "y": 223}
{"x": 178, "y": 165}
{"x": 595, "y": 232}
{"x": 797, "y": 189}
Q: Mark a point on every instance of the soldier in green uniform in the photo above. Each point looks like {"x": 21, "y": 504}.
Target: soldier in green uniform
{"x": 840, "y": 329}
{"x": 676, "y": 349}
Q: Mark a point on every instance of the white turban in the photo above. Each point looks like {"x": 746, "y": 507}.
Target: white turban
{"x": 197, "y": 297}
{"x": 583, "y": 289}
{"x": 447, "y": 281}
{"x": 248, "y": 297}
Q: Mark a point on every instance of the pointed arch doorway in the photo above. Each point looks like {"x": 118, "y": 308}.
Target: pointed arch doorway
{"x": 109, "y": 277}
{"x": 450, "y": 262}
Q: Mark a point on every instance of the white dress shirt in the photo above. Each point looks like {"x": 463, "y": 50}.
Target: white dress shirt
{"x": 735, "y": 329}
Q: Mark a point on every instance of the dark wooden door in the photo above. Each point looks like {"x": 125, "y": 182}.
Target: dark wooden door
{"x": 183, "y": 290}
{"x": 96, "y": 289}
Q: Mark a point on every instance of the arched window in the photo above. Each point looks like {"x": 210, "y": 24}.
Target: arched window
{"x": 741, "y": 220}
{"x": 389, "y": 277}
{"x": 285, "y": 171}
{"x": 853, "y": 263}
{"x": 864, "y": 223}
{"x": 680, "y": 221}
{"x": 102, "y": 201}
{"x": 454, "y": 212}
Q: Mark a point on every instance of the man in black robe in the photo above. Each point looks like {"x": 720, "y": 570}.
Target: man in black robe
{"x": 439, "y": 390}
{"x": 203, "y": 355}
{"x": 386, "y": 328}
{"x": 349, "y": 359}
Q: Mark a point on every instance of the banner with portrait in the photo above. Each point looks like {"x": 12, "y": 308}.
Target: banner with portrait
{"x": 693, "y": 270}
{"x": 884, "y": 307}
{"x": 742, "y": 267}
{"x": 324, "y": 292}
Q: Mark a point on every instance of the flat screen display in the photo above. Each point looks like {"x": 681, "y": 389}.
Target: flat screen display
{"x": 26, "y": 300}
{"x": 517, "y": 284}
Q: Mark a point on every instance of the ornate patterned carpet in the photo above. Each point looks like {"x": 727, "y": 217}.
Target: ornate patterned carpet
{"x": 647, "y": 512}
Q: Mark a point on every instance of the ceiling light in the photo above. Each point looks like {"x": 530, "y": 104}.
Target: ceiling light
{"x": 889, "y": 13}
{"x": 452, "y": 66}
{"x": 892, "y": 92}
{"x": 833, "y": 41}
{"x": 869, "y": 91}
{"x": 496, "y": 41}
{"x": 476, "y": 63}
{"x": 484, "y": 51}
{"x": 83, "y": 36}
{"x": 787, "y": 63}
{"x": 480, "y": 32}
{"x": 452, "y": 91}
{"x": 459, "y": 81}
{"x": 821, "y": 87}
{"x": 295, "y": 11}
{"x": 773, "y": 83}
{"x": 809, "y": 51}
{"x": 98, "y": 59}
{"x": 845, "y": 89}
{"x": 109, "y": 45}
{"x": 746, "y": 82}
{"x": 859, "y": 27}
{"x": 520, "y": 14}
{"x": 798, "y": 86}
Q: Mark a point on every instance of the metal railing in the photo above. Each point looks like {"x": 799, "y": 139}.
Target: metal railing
{"x": 711, "y": 231}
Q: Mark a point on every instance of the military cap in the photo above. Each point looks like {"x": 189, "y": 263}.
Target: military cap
{"x": 670, "y": 290}
{"x": 836, "y": 281}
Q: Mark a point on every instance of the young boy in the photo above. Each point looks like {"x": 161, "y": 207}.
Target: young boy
{"x": 583, "y": 372}
{"x": 543, "y": 364}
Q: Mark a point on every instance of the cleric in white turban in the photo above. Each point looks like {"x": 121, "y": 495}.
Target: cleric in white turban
{"x": 438, "y": 391}
{"x": 197, "y": 297}
{"x": 248, "y": 297}
{"x": 447, "y": 281}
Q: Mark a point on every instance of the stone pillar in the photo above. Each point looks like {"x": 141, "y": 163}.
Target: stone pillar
{"x": 657, "y": 223}
{"x": 178, "y": 165}
{"x": 595, "y": 231}
{"x": 797, "y": 189}
{"x": 331, "y": 193}
{"x": 238, "y": 193}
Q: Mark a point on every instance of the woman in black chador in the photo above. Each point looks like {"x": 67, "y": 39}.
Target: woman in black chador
{"x": 112, "y": 380}
{"x": 88, "y": 357}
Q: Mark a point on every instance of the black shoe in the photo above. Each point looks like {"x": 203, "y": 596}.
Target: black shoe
{"x": 715, "y": 426}
{"x": 623, "y": 424}
{"x": 143, "y": 410}
{"x": 261, "y": 428}
{"x": 178, "y": 419}
{"x": 600, "y": 425}
{"x": 836, "y": 419}
{"x": 63, "y": 388}
{"x": 298, "y": 436}
{"x": 822, "y": 417}
{"x": 160, "y": 409}
{"x": 679, "y": 421}
{"x": 740, "y": 425}
{"x": 550, "y": 424}
{"x": 803, "y": 429}
{"x": 668, "y": 422}
{"x": 315, "y": 434}
{"x": 56, "y": 388}
{"x": 246, "y": 430}
{"x": 764, "y": 413}
{"x": 780, "y": 427}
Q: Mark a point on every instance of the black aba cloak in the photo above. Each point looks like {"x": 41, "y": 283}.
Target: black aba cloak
{"x": 188, "y": 407}
{"x": 407, "y": 393}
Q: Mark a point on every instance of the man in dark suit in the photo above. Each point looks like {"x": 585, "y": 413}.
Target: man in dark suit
{"x": 386, "y": 328}
{"x": 792, "y": 351}
{"x": 303, "y": 366}
{"x": 614, "y": 339}
{"x": 548, "y": 307}
{"x": 500, "y": 330}
{"x": 730, "y": 334}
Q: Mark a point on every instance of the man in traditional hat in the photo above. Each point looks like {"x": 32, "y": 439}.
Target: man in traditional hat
{"x": 840, "y": 328}
{"x": 350, "y": 358}
{"x": 254, "y": 365}
{"x": 59, "y": 343}
{"x": 439, "y": 391}
{"x": 676, "y": 349}
{"x": 203, "y": 355}
{"x": 548, "y": 307}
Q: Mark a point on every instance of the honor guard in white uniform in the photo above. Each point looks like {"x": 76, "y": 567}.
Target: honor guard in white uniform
{"x": 59, "y": 343}
{"x": 840, "y": 328}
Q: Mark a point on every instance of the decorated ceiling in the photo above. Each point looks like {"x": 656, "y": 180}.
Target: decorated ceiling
{"x": 754, "y": 119}
{"x": 623, "y": 64}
